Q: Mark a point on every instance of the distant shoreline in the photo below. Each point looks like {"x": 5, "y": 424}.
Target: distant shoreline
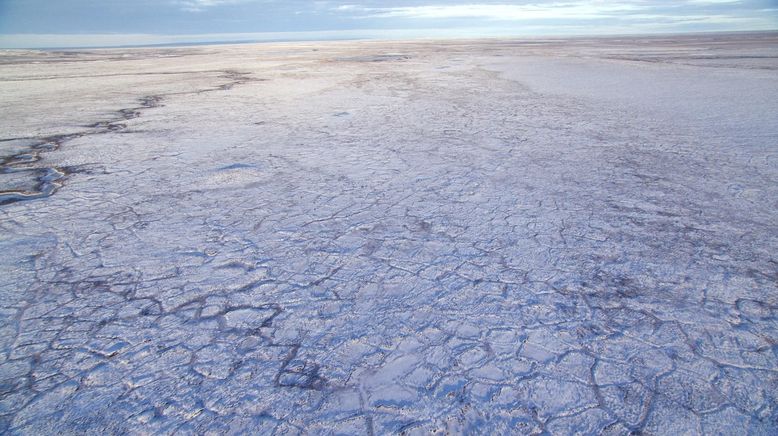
{"x": 356, "y": 37}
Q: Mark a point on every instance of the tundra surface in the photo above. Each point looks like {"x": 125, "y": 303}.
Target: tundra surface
{"x": 503, "y": 236}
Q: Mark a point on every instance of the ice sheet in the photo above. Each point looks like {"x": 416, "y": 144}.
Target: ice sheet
{"x": 497, "y": 237}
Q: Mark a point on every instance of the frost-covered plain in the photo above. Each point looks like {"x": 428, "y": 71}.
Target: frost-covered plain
{"x": 503, "y": 236}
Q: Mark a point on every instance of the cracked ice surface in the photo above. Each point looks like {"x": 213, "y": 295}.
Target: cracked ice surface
{"x": 514, "y": 237}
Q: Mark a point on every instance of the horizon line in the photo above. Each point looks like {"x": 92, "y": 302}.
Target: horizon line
{"x": 48, "y": 41}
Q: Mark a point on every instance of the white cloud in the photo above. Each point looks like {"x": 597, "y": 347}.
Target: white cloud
{"x": 201, "y": 5}
{"x": 712, "y": 2}
{"x": 504, "y": 12}
{"x": 625, "y": 12}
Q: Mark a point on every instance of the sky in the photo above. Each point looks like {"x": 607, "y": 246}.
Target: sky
{"x": 69, "y": 23}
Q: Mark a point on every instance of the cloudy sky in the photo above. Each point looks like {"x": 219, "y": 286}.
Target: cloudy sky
{"x": 118, "y": 22}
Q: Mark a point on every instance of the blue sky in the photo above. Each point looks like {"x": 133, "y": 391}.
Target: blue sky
{"x": 31, "y": 23}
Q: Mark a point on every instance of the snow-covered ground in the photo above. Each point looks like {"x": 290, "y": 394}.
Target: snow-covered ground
{"x": 497, "y": 236}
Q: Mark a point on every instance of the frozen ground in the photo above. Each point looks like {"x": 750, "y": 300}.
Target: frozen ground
{"x": 361, "y": 237}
